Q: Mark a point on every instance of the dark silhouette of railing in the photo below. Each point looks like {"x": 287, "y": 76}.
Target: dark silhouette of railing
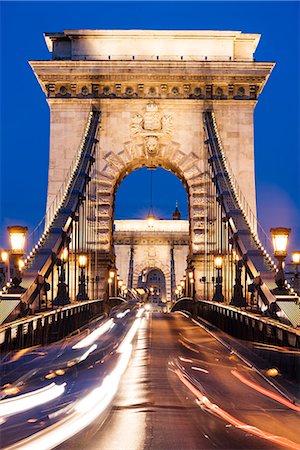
{"x": 245, "y": 229}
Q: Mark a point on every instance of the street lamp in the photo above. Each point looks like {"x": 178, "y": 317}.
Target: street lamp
{"x": 124, "y": 290}
{"x": 280, "y": 238}
{"x": 82, "y": 293}
{"x": 5, "y": 260}
{"x": 218, "y": 295}
{"x": 62, "y": 298}
{"x": 21, "y": 264}
{"x": 110, "y": 281}
{"x": 150, "y": 220}
{"x": 179, "y": 289}
{"x": 4, "y": 256}
{"x": 296, "y": 262}
{"x": 17, "y": 237}
{"x": 238, "y": 298}
{"x": 296, "y": 258}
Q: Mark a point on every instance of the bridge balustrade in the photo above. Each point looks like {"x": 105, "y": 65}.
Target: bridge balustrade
{"x": 281, "y": 343}
{"x": 48, "y": 327}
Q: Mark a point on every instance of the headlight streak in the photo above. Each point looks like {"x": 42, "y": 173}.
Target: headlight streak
{"x": 215, "y": 409}
{"x": 122, "y": 314}
{"x": 91, "y": 338}
{"x": 30, "y": 400}
{"x": 87, "y": 409}
{"x": 185, "y": 359}
{"x": 266, "y": 392}
{"x": 199, "y": 369}
{"x": 86, "y": 354}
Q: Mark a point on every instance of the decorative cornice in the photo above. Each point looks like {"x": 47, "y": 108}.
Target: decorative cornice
{"x": 148, "y": 79}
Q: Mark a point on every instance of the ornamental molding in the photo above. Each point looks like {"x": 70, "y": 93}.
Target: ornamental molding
{"x": 152, "y": 128}
{"x": 218, "y": 90}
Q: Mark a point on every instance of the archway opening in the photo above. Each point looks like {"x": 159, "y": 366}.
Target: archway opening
{"x": 133, "y": 194}
{"x": 153, "y": 281}
{"x": 162, "y": 245}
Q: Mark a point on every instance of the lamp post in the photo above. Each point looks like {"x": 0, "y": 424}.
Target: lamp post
{"x": 296, "y": 262}
{"x": 124, "y": 290}
{"x": 189, "y": 284}
{"x": 62, "y": 298}
{"x": 280, "y": 238}
{"x": 238, "y": 298}
{"x": 82, "y": 292}
{"x": 150, "y": 220}
{"x": 113, "y": 277}
{"x": 218, "y": 295}
{"x": 109, "y": 281}
{"x": 17, "y": 236}
{"x": 5, "y": 260}
{"x": 179, "y": 288}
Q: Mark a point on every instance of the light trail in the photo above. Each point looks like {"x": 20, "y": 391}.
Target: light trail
{"x": 88, "y": 408}
{"x": 87, "y": 353}
{"x": 122, "y": 314}
{"x": 30, "y": 400}
{"x": 215, "y": 409}
{"x": 199, "y": 369}
{"x": 278, "y": 398}
{"x": 91, "y": 338}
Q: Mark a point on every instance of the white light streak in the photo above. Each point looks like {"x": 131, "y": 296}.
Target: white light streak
{"x": 91, "y": 338}
{"x": 123, "y": 314}
{"x": 30, "y": 400}
{"x": 87, "y": 409}
{"x": 86, "y": 354}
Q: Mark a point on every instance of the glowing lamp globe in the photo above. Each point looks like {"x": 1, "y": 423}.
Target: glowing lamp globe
{"x": 296, "y": 257}
{"x": 17, "y": 236}
{"x": 82, "y": 261}
{"x": 218, "y": 260}
{"x": 21, "y": 264}
{"x": 280, "y": 237}
{"x": 150, "y": 220}
{"x": 4, "y": 256}
{"x": 64, "y": 255}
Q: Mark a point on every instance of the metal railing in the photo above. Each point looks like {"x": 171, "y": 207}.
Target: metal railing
{"x": 47, "y": 327}
{"x": 256, "y": 228}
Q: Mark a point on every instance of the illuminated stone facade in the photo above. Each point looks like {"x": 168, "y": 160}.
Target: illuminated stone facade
{"x": 152, "y": 88}
{"x": 152, "y": 247}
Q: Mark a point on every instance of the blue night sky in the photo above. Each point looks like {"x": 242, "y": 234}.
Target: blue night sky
{"x": 25, "y": 115}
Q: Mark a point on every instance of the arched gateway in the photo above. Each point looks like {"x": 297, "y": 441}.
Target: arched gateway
{"x": 151, "y": 88}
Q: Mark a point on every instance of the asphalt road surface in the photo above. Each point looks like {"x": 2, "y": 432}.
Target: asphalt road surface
{"x": 184, "y": 390}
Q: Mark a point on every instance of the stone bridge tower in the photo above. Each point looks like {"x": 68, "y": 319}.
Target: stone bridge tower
{"x": 151, "y": 88}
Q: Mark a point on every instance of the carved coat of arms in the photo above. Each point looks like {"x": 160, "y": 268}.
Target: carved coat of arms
{"x": 152, "y": 127}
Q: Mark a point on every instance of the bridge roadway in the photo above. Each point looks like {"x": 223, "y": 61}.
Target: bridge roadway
{"x": 155, "y": 410}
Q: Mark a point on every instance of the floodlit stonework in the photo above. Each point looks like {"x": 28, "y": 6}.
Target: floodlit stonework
{"x": 151, "y": 247}
{"x": 152, "y": 88}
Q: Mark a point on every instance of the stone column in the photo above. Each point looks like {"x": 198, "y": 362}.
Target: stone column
{"x": 104, "y": 262}
{"x": 172, "y": 266}
{"x": 130, "y": 271}
{"x": 196, "y": 262}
